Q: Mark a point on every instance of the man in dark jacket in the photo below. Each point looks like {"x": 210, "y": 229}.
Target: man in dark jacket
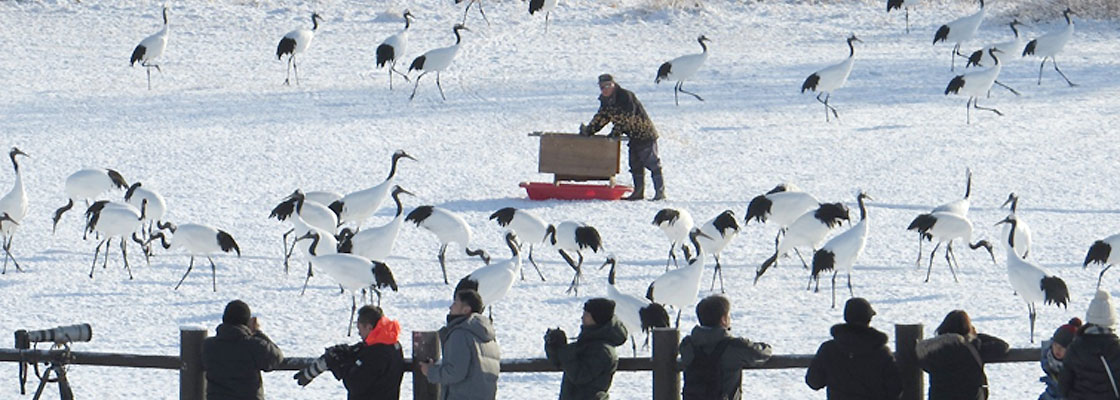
{"x": 235, "y": 356}
{"x": 955, "y": 359}
{"x": 856, "y": 364}
{"x": 1091, "y": 368}
{"x": 589, "y": 363}
{"x": 471, "y": 357}
{"x": 621, "y": 108}
{"x": 714, "y": 313}
{"x": 371, "y": 369}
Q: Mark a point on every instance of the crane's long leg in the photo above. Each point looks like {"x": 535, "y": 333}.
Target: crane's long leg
{"x": 678, "y": 324}
{"x": 907, "y": 20}
{"x": 307, "y": 278}
{"x": 1040, "y": 70}
{"x": 417, "y": 85}
{"x": 676, "y": 91}
{"x": 671, "y": 258}
{"x": 834, "y": 272}
{"x": 287, "y": 253}
{"x": 681, "y": 86}
{"x": 1016, "y": 92}
{"x": 124, "y": 255}
{"x": 353, "y": 308}
{"x": 798, "y": 252}
{"x": 105, "y": 261}
{"x": 949, "y": 253}
{"x": 288, "y": 77}
{"x": 919, "y": 260}
{"x": 437, "y": 75}
{"x": 977, "y": 106}
{"x": 718, "y": 272}
{"x": 8, "y": 254}
{"x": 574, "y": 286}
{"x": 535, "y": 263}
{"x": 96, "y": 251}
{"x": 213, "y": 274}
{"x": 1033, "y": 316}
{"x": 443, "y": 262}
{"x": 851, "y": 293}
{"x": 483, "y": 13}
{"x": 1101, "y": 276}
{"x": 189, "y": 267}
{"x": 931, "y": 253}
{"x": 1055, "y": 62}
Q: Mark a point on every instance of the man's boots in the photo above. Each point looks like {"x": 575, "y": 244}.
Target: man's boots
{"x": 658, "y": 185}
{"x": 639, "y": 192}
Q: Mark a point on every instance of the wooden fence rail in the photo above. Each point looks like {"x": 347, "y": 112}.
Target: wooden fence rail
{"x": 663, "y": 363}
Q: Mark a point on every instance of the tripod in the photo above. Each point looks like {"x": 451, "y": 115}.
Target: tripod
{"x": 58, "y": 366}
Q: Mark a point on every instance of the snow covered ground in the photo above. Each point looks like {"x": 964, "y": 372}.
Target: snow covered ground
{"x": 224, "y": 141}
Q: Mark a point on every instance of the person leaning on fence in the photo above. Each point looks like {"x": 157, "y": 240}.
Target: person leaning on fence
{"x": 370, "y": 369}
{"x": 235, "y": 356}
{"x": 620, "y": 107}
{"x": 856, "y": 364}
{"x": 1092, "y": 363}
{"x": 1053, "y": 356}
{"x": 955, "y": 359}
{"x": 471, "y": 357}
{"x": 588, "y": 363}
{"x": 713, "y": 359}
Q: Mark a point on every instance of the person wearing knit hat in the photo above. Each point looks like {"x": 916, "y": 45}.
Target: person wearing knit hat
{"x": 1091, "y": 364}
{"x": 471, "y": 357}
{"x": 1052, "y": 358}
{"x": 856, "y": 363}
{"x": 235, "y": 356}
{"x": 370, "y": 369}
{"x": 955, "y": 358}
{"x": 621, "y": 108}
{"x": 588, "y": 363}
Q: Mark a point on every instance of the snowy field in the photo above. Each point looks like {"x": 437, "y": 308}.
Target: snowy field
{"x": 224, "y": 141}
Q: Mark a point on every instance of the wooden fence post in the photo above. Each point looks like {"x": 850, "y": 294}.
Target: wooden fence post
{"x": 666, "y": 375}
{"x": 192, "y": 381}
{"x": 913, "y": 379}
{"x": 425, "y": 345}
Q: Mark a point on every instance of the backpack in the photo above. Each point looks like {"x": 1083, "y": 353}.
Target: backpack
{"x": 703, "y": 377}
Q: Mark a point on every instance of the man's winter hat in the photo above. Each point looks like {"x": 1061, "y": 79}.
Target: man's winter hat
{"x": 237, "y": 313}
{"x": 858, "y": 311}
{"x": 601, "y": 310}
{"x": 1101, "y": 312}
{"x": 1065, "y": 333}
{"x": 471, "y": 298}
{"x": 606, "y": 78}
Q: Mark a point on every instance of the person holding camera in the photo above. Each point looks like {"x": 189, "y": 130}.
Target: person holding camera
{"x": 371, "y": 369}
{"x": 471, "y": 357}
{"x": 588, "y": 363}
{"x": 620, "y": 107}
{"x": 235, "y": 356}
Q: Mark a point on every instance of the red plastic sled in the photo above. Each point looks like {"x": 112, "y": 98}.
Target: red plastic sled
{"x": 574, "y": 191}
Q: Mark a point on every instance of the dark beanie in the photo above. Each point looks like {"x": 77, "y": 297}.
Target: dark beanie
{"x": 472, "y": 298}
{"x": 601, "y": 310}
{"x": 1065, "y": 333}
{"x": 606, "y": 78}
{"x": 858, "y": 311}
{"x": 237, "y": 313}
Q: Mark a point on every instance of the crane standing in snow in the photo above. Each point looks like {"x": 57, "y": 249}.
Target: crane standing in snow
{"x": 296, "y": 42}
{"x": 831, "y": 78}
{"x": 150, "y": 50}
{"x": 1049, "y": 45}
{"x": 681, "y": 68}
{"x": 841, "y": 252}
{"x": 391, "y": 50}
{"x": 958, "y": 31}
{"x": 13, "y": 208}
{"x": 1030, "y": 281}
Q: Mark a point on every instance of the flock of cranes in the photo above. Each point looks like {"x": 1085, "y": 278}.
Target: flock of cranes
{"x": 327, "y": 229}
{"x": 824, "y": 81}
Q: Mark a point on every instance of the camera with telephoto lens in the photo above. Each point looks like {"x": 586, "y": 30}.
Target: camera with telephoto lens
{"x": 59, "y": 335}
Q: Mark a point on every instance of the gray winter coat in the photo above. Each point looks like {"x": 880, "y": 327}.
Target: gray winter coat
{"x": 738, "y": 354}
{"x": 471, "y": 360}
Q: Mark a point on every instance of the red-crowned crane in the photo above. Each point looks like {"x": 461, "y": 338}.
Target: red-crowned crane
{"x": 311, "y": 213}
{"x": 391, "y": 50}
{"x": 448, "y": 228}
{"x": 296, "y": 42}
{"x": 1105, "y": 252}
{"x": 1030, "y": 281}
{"x": 976, "y": 84}
{"x": 946, "y": 227}
{"x": 1049, "y": 45}
{"x": 831, "y": 78}
{"x": 468, "y": 9}
{"x": 959, "y": 206}
{"x": 88, "y": 184}
{"x": 493, "y": 281}
{"x": 527, "y": 226}
{"x": 328, "y": 245}
{"x": 357, "y": 206}
{"x": 679, "y": 287}
{"x": 352, "y": 272}
{"x": 150, "y": 50}
{"x": 437, "y": 60}
{"x": 841, "y": 252}
{"x": 960, "y": 30}
{"x": 681, "y": 68}
{"x": 1011, "y": 49}
{"x": 574, "y": 237}
{"x": 541, "y": 6}
{"x": 897, "y": 4}
{"x": 375, "y": 243}
{"x": 676, "y": 224}
{"x": 1022, "y": 230}
{"x": 781, "y": 206}
{"x": 808, "y": 231}
{"x": 636, "y": 313}
{"x": 14, "y": 206}
{"x": 720, "y": 230}
{"x": 157, "y": 208}
{"x": 113, "y": 219}
{"x": 198, "y": 240}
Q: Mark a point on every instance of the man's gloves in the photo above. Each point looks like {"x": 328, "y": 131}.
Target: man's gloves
{"x": 555, "y": 338}
{"x": 340, "y": 358}
{"x": 584, "y": 131}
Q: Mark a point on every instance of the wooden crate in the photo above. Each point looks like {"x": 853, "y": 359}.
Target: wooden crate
{"x": 579, "y": 158}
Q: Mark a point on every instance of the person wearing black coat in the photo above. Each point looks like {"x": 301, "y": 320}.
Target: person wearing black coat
{"x": 856, "y": 364}
{"x": 1092, "y": 355}
{"x": 235, "y": 356}
{"x": 588, "y": 363}
{"x": 955, "y": 359}
{"x": 621, "y": 108}
{"x": 371, "y": 369}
